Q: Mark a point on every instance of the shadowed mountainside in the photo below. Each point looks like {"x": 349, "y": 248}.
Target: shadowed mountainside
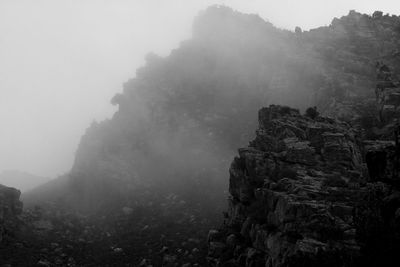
{"x": 162, "y": 159}
{"x": 181, "y": 118}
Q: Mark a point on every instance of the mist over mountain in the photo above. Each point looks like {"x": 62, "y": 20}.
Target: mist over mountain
{"x": 156, "y": 173}
{"x": 21, "y": 180}
{"x": 187, "y": 113}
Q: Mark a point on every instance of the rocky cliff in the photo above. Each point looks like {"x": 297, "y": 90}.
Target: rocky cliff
{"x": 165, "y": 152}
{"x": 190, "y": 110}
{"x": 387, "y": 93}
{"x": 10, "y": 208}
{"x": 302, "y": 194}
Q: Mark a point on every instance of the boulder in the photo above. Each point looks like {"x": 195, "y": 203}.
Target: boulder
{"x": 10, "y": 208}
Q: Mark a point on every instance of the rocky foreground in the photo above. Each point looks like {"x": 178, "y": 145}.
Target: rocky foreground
{"x": 302, "y": 194}
{"x": 156, "y": 230}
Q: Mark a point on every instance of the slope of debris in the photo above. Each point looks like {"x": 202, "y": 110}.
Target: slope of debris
{"x": 298, "y": 196}
{"x": 149, "y": 231}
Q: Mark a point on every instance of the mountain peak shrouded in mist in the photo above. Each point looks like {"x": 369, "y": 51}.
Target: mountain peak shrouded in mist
{"x": 93, "y": 54}
{"x": 223, "y": 23}
{"x": 147, "y": 184}
{"x": 187, "y": 112}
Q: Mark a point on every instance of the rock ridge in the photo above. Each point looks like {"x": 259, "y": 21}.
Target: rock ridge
{"x": 298, "y": 195}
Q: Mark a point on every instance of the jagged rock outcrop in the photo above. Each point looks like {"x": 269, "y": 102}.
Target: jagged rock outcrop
{"x": 294, "y": 193}
{"x": 376, "y": 117}
{"x": 10, "y": 208}
{"x": 387, "y": 94}
{"x": 377, "y": 215}
{"x": 359, "y": 43}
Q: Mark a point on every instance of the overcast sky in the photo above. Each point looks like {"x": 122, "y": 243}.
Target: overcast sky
{"x": 62, "y": 61}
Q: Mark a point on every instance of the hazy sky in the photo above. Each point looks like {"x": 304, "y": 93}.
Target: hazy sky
{"x": 62, "y": 61}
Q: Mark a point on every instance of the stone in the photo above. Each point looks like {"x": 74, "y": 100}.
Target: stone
{"x": 43, "y": 263}
{"x": 43, "y": 225}
{"x": 168, "y": 259}
{"x": 10, "y": 209}
{"x": 127, "y": 210}
{"x": 231, "y": 240}
{"x": 215, "y": 249}
{"x": 303, "y": 206}
{"x": 118, "y": 250}
{"x": 213, "y": 235}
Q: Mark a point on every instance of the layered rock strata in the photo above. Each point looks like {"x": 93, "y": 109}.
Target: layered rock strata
{"x": 387, "y": 93}
{"x": 301, "y": 195}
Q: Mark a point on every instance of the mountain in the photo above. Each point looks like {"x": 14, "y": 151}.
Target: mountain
{"x": 153, "y": 178}
{"x": 181, "y": 118}
{"x": 21, "y": 180}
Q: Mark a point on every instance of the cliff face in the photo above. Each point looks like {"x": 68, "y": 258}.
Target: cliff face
{"x": 10, "y": 208}
{"x": 387, "y": 94}
{"x": 301, "y": 195}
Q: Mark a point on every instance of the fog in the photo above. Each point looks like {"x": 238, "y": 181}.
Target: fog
{"x": 61, "y": 62}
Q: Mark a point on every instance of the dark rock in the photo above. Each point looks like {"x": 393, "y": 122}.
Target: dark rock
{"x": 43, "y": 263}
{"x": 377, "y": 14}
{"x": 278, "y": 211}
{"x": 10, "y": 208}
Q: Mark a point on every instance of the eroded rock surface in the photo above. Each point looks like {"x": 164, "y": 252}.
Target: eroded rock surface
{"x": 387, "y": 93}
{"x": 294, "y": 193}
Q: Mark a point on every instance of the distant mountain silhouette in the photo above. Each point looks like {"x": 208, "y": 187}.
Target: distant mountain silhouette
{"x": 21, "y": 180}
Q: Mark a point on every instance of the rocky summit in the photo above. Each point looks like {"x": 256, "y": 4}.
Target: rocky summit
{"x": 320, "y": 189}
{"x": 301, "y": 194}
{"x": 10, "y": 208}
